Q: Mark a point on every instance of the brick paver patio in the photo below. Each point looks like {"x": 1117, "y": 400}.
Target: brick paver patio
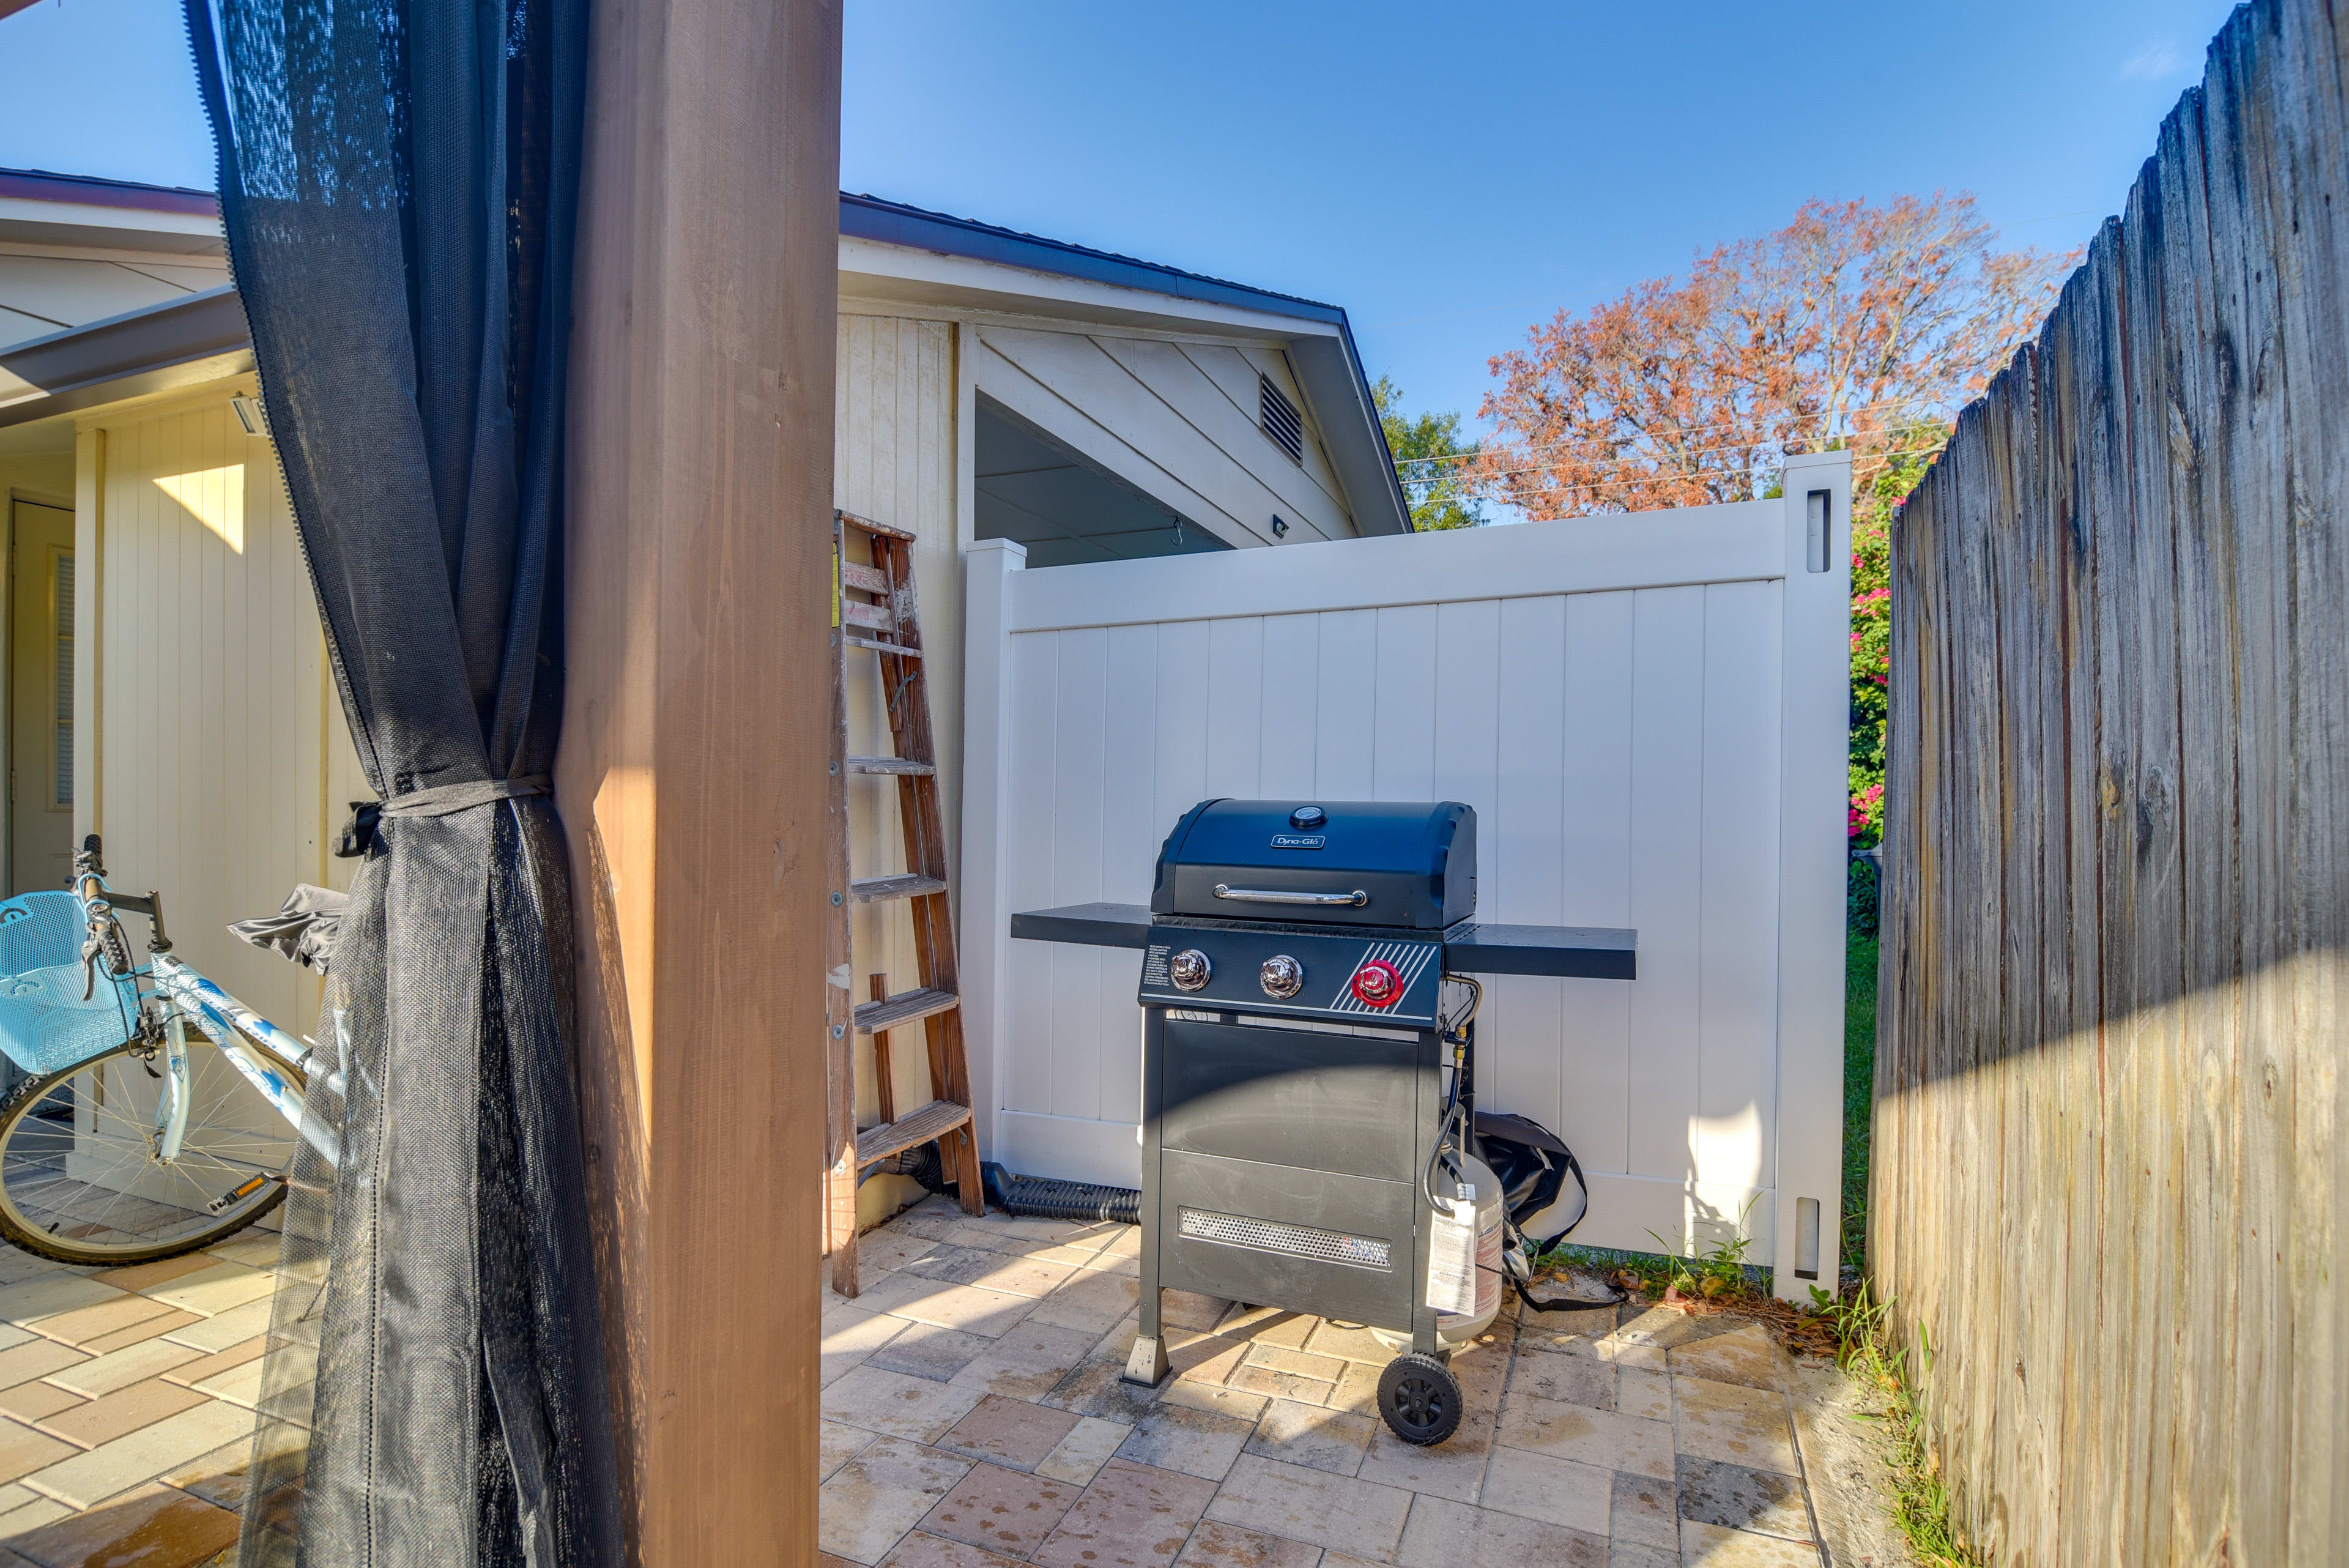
{"x": 974, "y": 1418}
{"x": 126, "y": 1406}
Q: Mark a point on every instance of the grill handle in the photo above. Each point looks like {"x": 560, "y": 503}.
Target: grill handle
{"x": 1354, "y": 899}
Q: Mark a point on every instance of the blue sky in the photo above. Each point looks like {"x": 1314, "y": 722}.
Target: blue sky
{"x": 1449, "y": 174}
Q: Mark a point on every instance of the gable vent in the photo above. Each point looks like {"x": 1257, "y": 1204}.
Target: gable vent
{"x": 1281, "y": 420}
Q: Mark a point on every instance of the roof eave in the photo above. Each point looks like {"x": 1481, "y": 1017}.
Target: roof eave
{"x": 128, "y": 355}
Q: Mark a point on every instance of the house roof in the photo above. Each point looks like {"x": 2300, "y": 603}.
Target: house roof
{"x": 868, "y": 217}
{"x": 202, "y": 334}
{"x": 90, "y": 191}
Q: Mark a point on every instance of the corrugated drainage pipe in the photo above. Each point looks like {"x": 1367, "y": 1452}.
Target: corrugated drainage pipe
{"x": 1039, "y": 1198}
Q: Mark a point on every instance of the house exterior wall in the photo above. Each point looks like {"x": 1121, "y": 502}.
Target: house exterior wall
{"x": 216, "y": 762}
{"x": 893, "y": 461}
{"x": 1177, "y": 419}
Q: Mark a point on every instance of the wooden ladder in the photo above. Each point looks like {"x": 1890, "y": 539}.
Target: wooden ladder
{"x": 890, "y": 626}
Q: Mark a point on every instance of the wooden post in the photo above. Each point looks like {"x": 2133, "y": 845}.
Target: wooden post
{"x": 692, "y": 775}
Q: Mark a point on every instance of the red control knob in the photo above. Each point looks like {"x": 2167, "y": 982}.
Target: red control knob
{"x": 1376, "y": 984}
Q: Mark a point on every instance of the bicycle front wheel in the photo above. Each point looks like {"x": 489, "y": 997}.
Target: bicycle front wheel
{"x": 82, "y": 1176}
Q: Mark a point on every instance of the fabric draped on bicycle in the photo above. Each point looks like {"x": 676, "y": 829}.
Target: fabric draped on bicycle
{"x": 55, "y": 1014}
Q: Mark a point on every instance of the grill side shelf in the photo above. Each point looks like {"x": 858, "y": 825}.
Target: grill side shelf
{"x": 1087, "y": 925}
{"x": 1575, "y": 952}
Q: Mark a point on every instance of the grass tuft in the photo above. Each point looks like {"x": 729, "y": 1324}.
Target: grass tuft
{"x": 1866, "y": 1352}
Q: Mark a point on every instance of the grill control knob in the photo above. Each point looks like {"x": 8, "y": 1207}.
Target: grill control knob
{"x": 1283, "y": 976}
{"x": 1189, "y": 969}
{"x": 1377, "y": 984}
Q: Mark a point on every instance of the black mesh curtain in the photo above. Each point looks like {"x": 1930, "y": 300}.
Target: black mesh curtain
{"x": 399, "y": 183}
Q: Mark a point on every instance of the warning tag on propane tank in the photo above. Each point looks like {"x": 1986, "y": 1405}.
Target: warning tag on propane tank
{"x": 1452, "y": 1261}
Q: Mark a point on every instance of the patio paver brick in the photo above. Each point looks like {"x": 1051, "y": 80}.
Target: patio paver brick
{"x": 1737, "y": 1498}
{"x": 212, "y": 1291}
{"x": 124, "y": 1411}
{"x": 1453, "y": 1468}
{"x": 926, "y": 1350}
{"x": 1313, "y": 1436}
{"x": 922, "y": 1551}
{"x": 1079, "y": 1456}
{"x": 1737, "y": 1425}
{"x": 1570, "y": 1379}
{"x": 23, "y": 1451}
{"x": 1196, "y": 1442}
{"x": 1132, "y": 1516}
{"x": 30, "y": 1402}
{"x": 1445, "y": 1534}
{"x": 1027, "y": 1362}
{"x": 1716, "y": 1547}
{"x": 141, "y": 1456}
{"x": 1363, "y": 1518}
{"x": 121, "y": 1368}
{"x": 1645, "y": 1510}
{"x": 37, "y": 1358}
{"x": 1558, "y": 1491}
{"x": 1218, "y": 1545}
{"x": 876, "y": 1498}
{"x": 1601, "y": 1437}
{"x": 1009, "y": 1432}
{"x": 1002, "y": 1509}
{"x": 169, "y": 1322}
{"x": 912, "y": 1407}
{"x": 155, "y": 1528}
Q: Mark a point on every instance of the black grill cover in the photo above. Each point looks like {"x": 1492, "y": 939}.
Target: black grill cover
{"x": 1414, "y": 861}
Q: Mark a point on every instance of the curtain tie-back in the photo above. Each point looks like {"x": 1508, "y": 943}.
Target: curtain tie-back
{"x": 448, "y": 798}
{"x": 358, "y": 837}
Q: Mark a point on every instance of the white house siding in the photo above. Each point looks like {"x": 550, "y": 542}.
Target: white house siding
{"x": 1178, "y": 420}
{"x": 45, "y": 289}
{"x": 894, "y": 461}
{"x": 218, "y": 767}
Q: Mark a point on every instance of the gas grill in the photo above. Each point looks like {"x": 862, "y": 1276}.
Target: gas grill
{"x": 1294, "y": 964}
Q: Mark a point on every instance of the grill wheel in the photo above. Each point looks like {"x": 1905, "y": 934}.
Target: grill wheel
{"x": 1420, "y": 1398}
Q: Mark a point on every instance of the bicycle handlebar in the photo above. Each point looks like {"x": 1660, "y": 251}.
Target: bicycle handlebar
{"x": 98, "y": 907}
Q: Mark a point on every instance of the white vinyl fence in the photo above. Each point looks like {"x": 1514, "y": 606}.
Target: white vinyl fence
{"x": 1648, "y": 714}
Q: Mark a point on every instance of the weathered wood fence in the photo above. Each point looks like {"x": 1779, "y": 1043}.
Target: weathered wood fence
{"x": 2110, "y": 1183}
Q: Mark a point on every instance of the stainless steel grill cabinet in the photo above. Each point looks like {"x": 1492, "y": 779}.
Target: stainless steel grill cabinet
{"x": 1283, "y": 1166}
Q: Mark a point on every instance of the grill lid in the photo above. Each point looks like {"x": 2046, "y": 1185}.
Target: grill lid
{"x": 1407, "y": 865}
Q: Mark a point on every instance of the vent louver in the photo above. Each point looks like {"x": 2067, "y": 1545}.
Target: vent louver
{"x": 1282, "y": 422}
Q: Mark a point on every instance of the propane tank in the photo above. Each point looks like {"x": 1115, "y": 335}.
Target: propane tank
{"x": 1480, "y": 1214}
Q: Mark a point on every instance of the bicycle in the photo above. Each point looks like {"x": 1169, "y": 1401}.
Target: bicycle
{"x": 136, "y": 1138}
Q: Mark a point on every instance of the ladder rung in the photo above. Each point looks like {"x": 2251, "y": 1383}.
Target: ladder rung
{"x": 873, "y": 889}
{"x": 905, "y": 1007}
{"x": 872, "y": 618}
{"x": 936, "y": 1120}
{"x": 870, "y": 526}
{"x": 856, "y": 575}
{"x": 884, "y": 646}
{"x": 890, "y": 765}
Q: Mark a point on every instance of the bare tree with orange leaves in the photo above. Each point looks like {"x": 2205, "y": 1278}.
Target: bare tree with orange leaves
{"x": 1856, "y": 326}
